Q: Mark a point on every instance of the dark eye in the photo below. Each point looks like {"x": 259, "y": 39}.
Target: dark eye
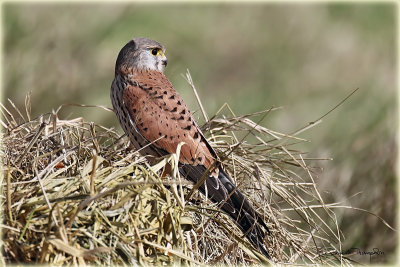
{"x": 154, "y": 51}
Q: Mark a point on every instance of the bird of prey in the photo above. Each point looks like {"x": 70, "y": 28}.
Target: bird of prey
{"x": 156, "y": 120}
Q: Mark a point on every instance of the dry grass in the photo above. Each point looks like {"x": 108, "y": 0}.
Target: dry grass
{"x": 75, "y": 193}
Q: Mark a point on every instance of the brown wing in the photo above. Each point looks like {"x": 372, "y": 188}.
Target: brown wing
{"x": 162, "y": 117}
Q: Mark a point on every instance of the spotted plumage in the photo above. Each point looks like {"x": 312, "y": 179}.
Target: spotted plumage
{"x": 157, "y": 120}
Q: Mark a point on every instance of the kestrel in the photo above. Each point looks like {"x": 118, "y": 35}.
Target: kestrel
{"x": 156, "y": 120}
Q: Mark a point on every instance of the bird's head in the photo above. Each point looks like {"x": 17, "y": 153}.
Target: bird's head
{"x": 141, "y": 54}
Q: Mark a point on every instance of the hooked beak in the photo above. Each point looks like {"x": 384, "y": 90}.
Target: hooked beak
{"x": 164, "y": 62}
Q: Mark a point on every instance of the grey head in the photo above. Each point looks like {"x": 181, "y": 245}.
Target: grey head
{"x": 142, "y": 54}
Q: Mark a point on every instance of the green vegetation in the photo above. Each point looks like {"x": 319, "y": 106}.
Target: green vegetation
{"x": 304, "y": 57}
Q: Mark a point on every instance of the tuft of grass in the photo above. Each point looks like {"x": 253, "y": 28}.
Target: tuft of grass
{"x": 76, "y": 192}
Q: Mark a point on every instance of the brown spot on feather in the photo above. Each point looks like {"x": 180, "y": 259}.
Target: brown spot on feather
{"x": 194, "y": 150}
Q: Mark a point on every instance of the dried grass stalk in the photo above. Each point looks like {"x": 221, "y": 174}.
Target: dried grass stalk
{"x": 74, "y": 192}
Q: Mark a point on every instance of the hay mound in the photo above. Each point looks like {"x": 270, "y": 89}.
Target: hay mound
{"x": 75, "y": 193}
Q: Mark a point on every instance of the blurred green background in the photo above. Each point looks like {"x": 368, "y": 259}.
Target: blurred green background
{"x": 303, "y": 57}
